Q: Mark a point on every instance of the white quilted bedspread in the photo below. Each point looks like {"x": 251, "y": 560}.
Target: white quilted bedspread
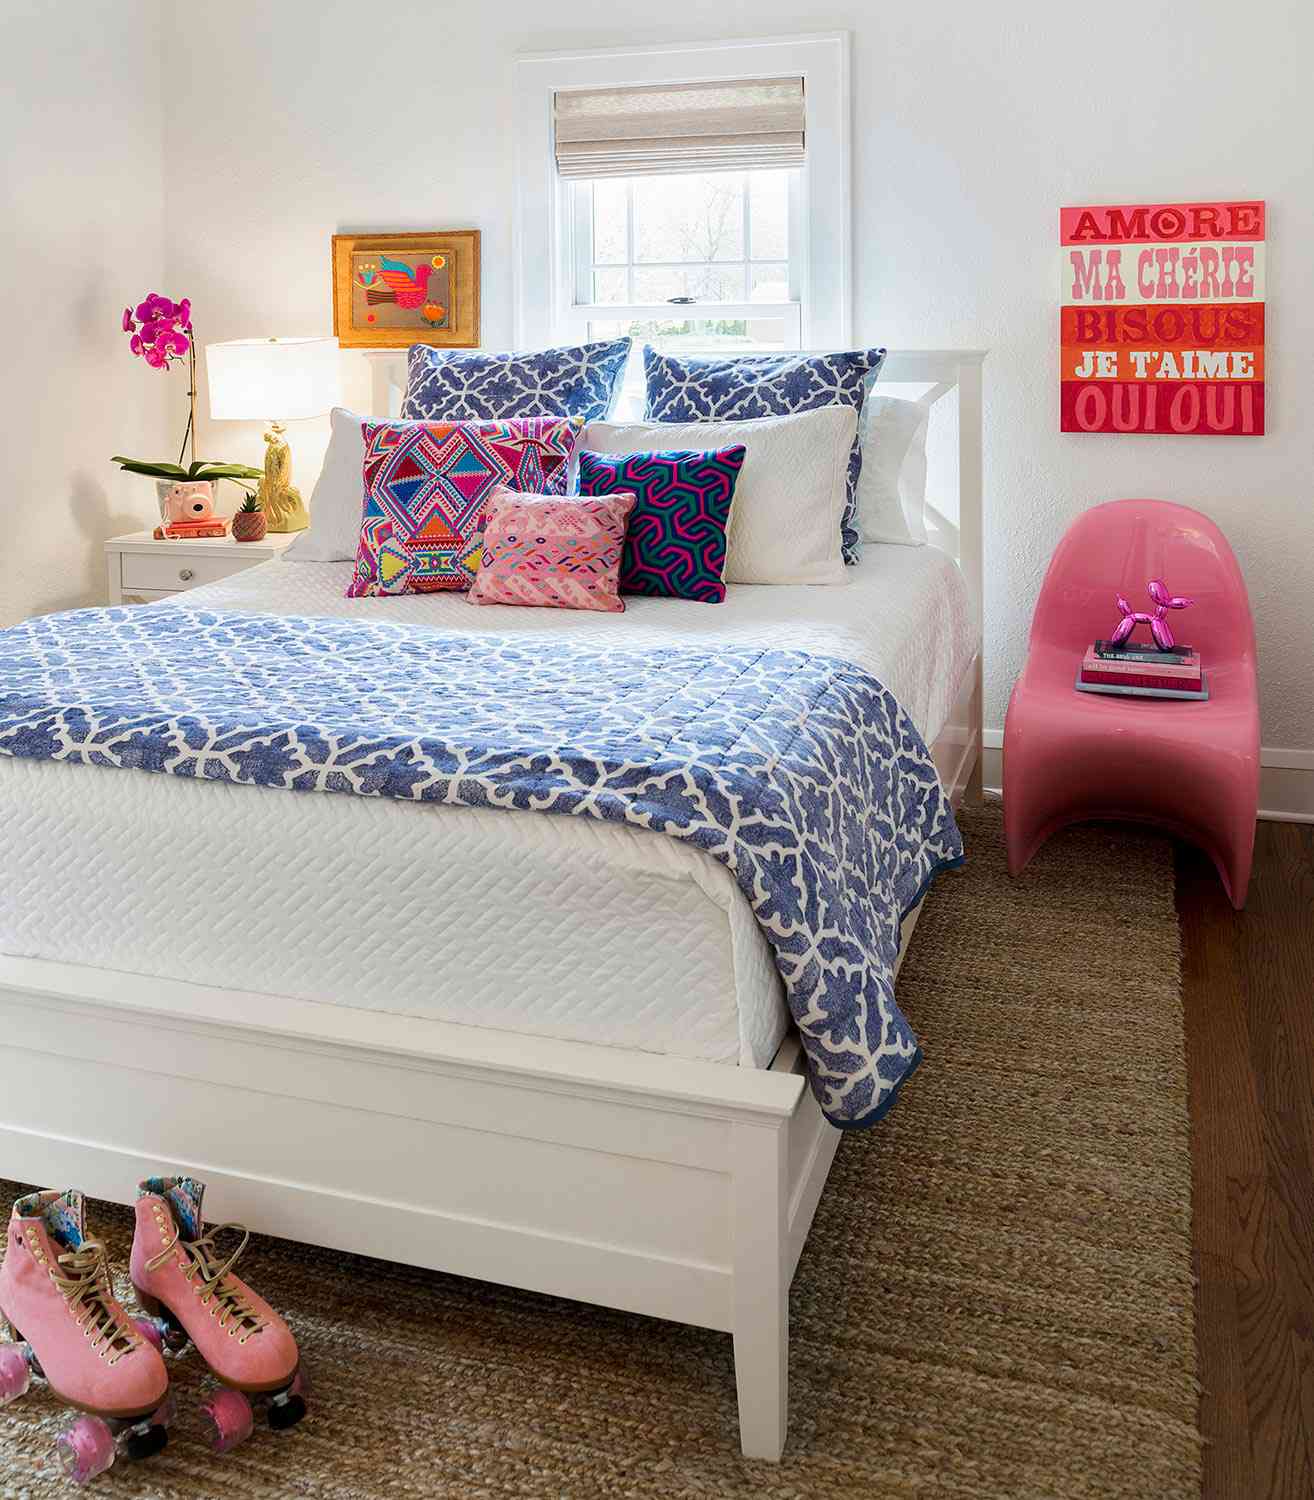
{"x": 557, "y": 926}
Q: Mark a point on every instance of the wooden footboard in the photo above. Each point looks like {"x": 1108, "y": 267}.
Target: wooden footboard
{"x": 674, "y": 1188}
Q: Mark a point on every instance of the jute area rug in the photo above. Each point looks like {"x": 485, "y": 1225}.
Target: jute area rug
{"x": 995, "y": 1300}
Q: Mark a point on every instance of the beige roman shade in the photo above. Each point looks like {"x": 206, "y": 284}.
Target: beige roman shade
{"x": 680, "y": 127}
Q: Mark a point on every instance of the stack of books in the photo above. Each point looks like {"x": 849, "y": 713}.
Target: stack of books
{"x": 1142, "y": 671}
{"x": 190, "y": 531}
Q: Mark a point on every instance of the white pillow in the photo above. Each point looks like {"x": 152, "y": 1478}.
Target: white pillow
{"x": 789, "y": 498}
{"x": 337, "y": 502}
{"x": 892, "y": 486}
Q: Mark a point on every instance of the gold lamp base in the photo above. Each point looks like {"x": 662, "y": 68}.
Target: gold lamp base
{"x": 280, "y": 500}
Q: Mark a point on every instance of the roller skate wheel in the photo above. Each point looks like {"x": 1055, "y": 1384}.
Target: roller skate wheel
{"x": 85, "y": 1449}
{"x": 286, "y": 1409}
{"x": 227, "y": 1416}
{"x": 144, "y": 1439}
{"x": 15, "y": 1372}
{"x": 166, "y": 1336}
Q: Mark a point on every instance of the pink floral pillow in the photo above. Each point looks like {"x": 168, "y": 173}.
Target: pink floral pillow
{"x": 557, "y": 554}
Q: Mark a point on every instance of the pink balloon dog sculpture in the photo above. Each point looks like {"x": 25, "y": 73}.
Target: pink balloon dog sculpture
{"x": 1158, "y": 621}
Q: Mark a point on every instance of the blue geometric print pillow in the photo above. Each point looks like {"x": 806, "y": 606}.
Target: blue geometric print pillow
{"x": 676, "y": 543}
{"x": 730, "y": 387}
{"x": 443, "y": 385}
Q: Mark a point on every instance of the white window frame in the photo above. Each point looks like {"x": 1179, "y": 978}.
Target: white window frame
{"x": 820, "y": 219}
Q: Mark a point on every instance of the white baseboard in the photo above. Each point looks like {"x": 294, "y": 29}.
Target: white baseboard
{"x": 1286, "y": 792}
{"x": 1286, "y": 779}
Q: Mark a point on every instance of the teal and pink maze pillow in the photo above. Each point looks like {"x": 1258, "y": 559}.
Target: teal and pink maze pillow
{"x": 557, "y": 554}
{"x": 426, "y": 489}
{"x": 676, "y": 547}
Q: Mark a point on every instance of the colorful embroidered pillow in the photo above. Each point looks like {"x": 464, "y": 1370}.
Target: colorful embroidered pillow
{"x": 684, "y": 389}
{"x": 559, "y": 554}
{"x": 456, "y": 386}
{"x": 676, "y": 545}
{"x": 426, "y": 486}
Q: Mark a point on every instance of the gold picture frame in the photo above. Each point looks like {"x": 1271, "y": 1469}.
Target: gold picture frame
{"x": 394, "y": 290}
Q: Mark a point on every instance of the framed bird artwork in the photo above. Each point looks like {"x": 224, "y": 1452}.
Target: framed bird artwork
{"x": 394, "y": 290}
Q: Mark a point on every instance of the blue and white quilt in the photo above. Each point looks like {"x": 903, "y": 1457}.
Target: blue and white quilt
{"x": 799, "y": 772}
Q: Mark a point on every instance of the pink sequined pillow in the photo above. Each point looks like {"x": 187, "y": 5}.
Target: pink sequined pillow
{"x": 557, "y": 554}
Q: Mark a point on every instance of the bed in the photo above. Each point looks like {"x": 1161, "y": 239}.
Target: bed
{"x": 283, "y": 994}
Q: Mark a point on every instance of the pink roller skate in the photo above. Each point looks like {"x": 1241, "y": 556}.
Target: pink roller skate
{"x": 58, "y": 1305}
{"x": 186, "y": 1282}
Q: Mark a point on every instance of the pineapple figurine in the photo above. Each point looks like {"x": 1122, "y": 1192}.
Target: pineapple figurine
{"x": 249, "y": 523}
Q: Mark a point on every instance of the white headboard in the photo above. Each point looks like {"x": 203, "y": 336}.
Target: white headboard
{"x": 933, "y": 377}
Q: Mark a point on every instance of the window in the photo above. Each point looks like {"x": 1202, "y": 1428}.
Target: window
{"x": 708, "y": 237}
{"x": 700, "y": 260}
{"x": 696, "y": 261}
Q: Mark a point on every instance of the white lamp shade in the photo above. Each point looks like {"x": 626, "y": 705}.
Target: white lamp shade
{"x": 280, "y": 380}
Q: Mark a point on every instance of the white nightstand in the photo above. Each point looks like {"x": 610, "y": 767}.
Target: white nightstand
{"x": 142, "y": 568}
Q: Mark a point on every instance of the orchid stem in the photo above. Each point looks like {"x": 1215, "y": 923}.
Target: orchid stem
{"x": 191, "y": 392}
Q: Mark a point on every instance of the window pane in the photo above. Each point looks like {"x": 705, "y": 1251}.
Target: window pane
{"x": 770, "y": 283}
{"x": 606, "y": 332}
{"x": 612, "y": 285}
{"x": 610, "y": 232}
{"x": 706, "y": 283}
{"x": 698, "y": 217}
{"x": 705, "y": 334}
{"x": 692, "y": 336}
{"x": 769, "y": 215}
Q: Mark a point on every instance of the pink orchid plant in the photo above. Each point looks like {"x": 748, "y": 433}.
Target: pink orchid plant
{"x": 161, "y": 333}
{"x": 161, "y": 330}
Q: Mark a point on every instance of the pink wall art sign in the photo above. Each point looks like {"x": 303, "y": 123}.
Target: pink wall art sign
{"x": 1162, "y": 322}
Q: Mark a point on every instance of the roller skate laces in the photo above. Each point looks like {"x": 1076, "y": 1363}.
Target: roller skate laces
{"x": 87, "y": 1290}
{"x": 209, "y": 1275}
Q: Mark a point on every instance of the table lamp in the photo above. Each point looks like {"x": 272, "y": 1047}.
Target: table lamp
{"x": 274, "y": 380}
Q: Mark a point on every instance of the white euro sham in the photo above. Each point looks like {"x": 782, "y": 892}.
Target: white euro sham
{"x": 789, "y": 499}
{"x": 892, "y": 486}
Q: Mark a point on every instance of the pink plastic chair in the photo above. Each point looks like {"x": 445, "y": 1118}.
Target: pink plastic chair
{"x": 1189, "y": 767}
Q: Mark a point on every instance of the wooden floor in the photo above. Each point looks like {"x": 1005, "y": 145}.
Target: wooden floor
{"x": 1249, "y": 993}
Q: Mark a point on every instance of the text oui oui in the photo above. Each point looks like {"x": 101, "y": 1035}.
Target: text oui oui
{"x": 1186, "y": 407}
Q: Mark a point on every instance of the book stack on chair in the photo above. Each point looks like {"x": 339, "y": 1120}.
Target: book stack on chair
{"x": 1139, "y": 671}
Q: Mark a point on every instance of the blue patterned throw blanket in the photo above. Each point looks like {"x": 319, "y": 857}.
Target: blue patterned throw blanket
{"x": 800, "y": 773}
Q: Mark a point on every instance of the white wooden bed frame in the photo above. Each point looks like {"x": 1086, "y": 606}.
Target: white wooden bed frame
{"x": 679, "y": 1189}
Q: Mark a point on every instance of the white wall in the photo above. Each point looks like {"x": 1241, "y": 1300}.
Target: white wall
{"x": 973, "y": 123}
{"x": 82, "y": 210}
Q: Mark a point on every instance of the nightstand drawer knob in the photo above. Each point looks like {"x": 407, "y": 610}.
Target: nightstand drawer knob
{"x": 186, "y": 574}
